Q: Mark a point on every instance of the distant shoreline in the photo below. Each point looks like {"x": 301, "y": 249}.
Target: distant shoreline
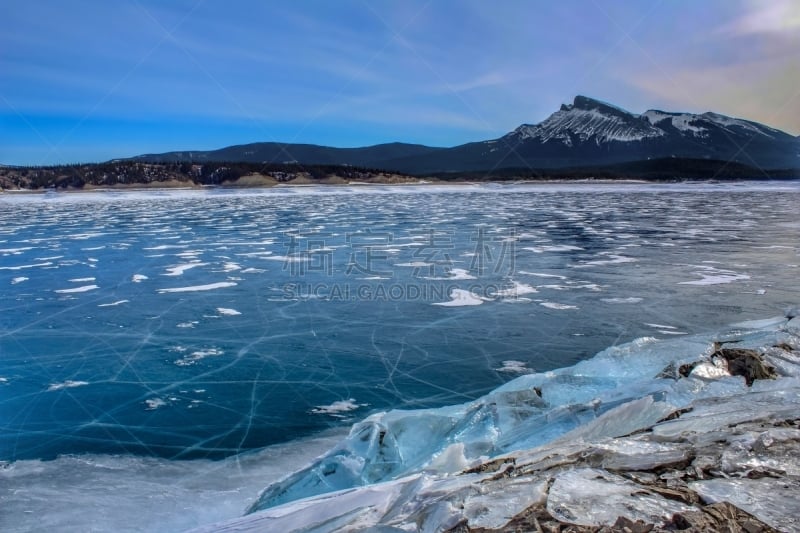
{"x": 135, "y": 175}
{"x": 178, "y": 186}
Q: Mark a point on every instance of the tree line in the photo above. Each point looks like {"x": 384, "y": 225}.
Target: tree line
{"x": 135, "y": 172}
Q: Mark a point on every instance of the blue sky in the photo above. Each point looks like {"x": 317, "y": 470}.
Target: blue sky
{"x": 90, "y": 80}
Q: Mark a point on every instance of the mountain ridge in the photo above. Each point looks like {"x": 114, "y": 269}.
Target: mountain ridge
{"x": 586, "y": 132}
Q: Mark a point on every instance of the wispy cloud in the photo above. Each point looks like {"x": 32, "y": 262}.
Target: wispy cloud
{"x": 766, "y": 17}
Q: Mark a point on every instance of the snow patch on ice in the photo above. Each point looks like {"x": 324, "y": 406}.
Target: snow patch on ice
{"x": 555, "y": 305}
{"x": 715, "y": 276}
{"x": 68, "y": 384}
{"x": 289, "y": 258}
{"x": 454, "y": 274}
{"x": 516, "y": 290}
{"x": 415, "y": 264}
{"x": 613, "y": 259}
{"x": 338, "y": 407}
{"x": 84, "y": 288}
{"x": 461, "y": 297}
{"x": 20, "y": 267}
{"x": 552, "y": 248}
{"x": 112, "y": 304}
{"x": 197, "y": 288}
{"x": 180, "y": 269}
{"x": 628, "y": 300}
{"x": 154, "y": 403}
{"x": 198, "y": 355}
{"x": 542, "y": 275}
{"x": 514, "y": 367}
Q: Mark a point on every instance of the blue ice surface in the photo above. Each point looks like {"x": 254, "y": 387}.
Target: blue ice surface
{"x": 202, "y": 324}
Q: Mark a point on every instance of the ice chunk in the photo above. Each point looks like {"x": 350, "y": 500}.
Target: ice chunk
{"x": 632, "y": 454}
{"x": 451, "y": 460}
{"x": 772, "y": 452}
{"x": 495, "y": 509}
{"x": 771, "y": 501}
{"x": 720, "y": 412}
{"x": 622, "y": 420}
{"x": 593, "y": 497}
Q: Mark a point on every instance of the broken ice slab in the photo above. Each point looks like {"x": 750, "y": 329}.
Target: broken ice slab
{"x": 784, "y": 362}
{"x": 775, "y": 452}
{"x": 717, "y": 413}
{"x": 772, "y": 501}
{"x": 639, "y": 455}
{"x": 593, "y": 497}
{"x": 622, "y": 420}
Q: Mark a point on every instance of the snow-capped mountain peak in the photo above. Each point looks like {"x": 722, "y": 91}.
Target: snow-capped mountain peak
{"x": 588, "y": 125}
{"x": 588, "y": 120}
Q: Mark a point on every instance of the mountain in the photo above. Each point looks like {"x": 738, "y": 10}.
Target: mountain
{"x": 587, "y": 132}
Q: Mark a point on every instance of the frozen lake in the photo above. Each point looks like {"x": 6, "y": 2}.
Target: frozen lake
{"x": 167, "y": 325}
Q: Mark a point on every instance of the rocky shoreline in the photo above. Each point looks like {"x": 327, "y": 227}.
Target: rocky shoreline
{"x": 726, "y": 459}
